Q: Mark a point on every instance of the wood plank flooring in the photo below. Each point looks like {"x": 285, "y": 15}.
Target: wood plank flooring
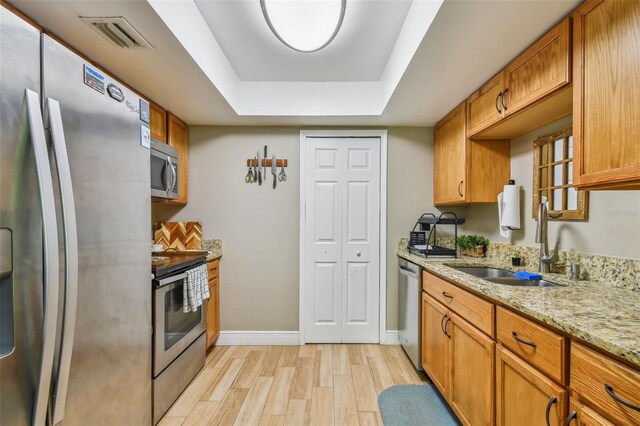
{"x": 292, "y": 385}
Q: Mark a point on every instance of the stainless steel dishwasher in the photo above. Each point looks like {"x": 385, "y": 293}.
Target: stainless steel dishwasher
{"x": 410, "y": 310}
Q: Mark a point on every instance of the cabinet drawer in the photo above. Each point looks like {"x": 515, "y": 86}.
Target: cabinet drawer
{"x": 475, "y": 310}
{"x": 539, "y": 346}
{"x": 214, "y": 269}
{"x": 605, "y": 383}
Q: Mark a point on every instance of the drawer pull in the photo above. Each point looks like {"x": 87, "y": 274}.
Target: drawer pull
{"x": 571, "y": 417}
{"x": 524, "y": 342}
{"x": 552, "y": 401}
{"x": 616, "y": 398}
{"x": 447, "y": 295}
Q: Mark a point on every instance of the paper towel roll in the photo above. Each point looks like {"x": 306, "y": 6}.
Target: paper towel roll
{"x": 509, "y": 209}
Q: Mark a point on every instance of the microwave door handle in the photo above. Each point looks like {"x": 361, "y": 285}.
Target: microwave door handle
{"x": 71, "y": 259}
{"x": 175, "y": 178}
{"x": 51, "y": 268}
{"x": 167, "y": 183}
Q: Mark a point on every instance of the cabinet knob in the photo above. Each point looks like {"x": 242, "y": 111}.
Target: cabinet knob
{"x": 358, "y": 253}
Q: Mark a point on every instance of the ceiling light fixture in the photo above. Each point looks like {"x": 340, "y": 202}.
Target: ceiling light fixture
{"x": 304, "y": 25}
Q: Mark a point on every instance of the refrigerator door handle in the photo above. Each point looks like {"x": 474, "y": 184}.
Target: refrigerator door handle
{"x": 71, "y": 259}
{"x": 51, "y": 267}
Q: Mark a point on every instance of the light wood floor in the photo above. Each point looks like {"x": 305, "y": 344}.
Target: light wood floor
{"x": 292, "y": 385}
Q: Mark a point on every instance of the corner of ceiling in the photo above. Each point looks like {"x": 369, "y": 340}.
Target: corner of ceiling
{"x": 253, "y": 98}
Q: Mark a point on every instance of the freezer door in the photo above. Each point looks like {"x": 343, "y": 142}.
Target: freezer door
{"x": 21, "y": 248}
{"x": 110, "y": 373}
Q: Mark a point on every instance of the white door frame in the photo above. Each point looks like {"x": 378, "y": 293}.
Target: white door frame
{"x": 382, "y": 134}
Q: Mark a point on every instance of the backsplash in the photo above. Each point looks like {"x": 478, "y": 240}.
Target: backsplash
{"x": 615, "y": 271}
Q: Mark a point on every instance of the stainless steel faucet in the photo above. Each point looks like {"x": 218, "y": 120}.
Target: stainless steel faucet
{"x": 542, "y": 237}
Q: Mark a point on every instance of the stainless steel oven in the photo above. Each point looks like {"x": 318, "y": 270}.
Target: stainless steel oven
{"x": 164, "y": 171}
{"x": 173, "y": 329}
{"x": 178, "y": 342}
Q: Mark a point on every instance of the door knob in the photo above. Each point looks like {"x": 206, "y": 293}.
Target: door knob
{"x": 358, "y": 253}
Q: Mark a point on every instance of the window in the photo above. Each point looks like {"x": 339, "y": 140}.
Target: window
{"x": 553, "y": 177}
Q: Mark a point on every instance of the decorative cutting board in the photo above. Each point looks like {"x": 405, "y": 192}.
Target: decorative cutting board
{"x": 178, "y": 235}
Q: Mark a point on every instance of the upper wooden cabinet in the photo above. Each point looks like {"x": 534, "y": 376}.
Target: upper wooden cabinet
{"x": 606, "y": 94}
{"x": 486, "y": 105}
{"x": 467, "y": 171}
{"x": 534, "y": 89}
{"x": 178, "y": 137}
{"x": 158, "y": 122}
{"x": 540, "y": 70}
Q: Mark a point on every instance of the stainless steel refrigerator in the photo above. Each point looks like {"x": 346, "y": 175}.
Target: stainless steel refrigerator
{"x": 75, "y": 292}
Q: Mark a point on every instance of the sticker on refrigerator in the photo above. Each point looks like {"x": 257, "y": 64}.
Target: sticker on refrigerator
{"x": 93, "y": 79}
{"x": 144, "y": 111}
{"x": 145, "y": 136}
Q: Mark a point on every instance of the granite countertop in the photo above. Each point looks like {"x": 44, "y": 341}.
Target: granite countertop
{"x": 166, "y": 262}
{"x": 607, "y": 317}
{"x": 214, "y": 247}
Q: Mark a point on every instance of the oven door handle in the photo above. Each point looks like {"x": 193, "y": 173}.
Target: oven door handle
{"x": 165, "y": 281}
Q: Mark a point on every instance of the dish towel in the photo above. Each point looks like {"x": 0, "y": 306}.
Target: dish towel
{"x": 195, "y": 289}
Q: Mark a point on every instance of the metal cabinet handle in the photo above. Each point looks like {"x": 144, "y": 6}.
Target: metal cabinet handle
{"x": 71, "y": 258}
{"x": 497, "y": 105}
{"x": 51, "y": 267}
{"x": 552, "y": 401}
{"x": 573, "y": 415}
{"x": 447, "y": 295}
{"x": 504, "y": 105}
{"x": 444, "y": 317}
{"x": 460, "y": 188}
{"x": 445, "y": 327}
{"x": 524, "y": 342}
{"x": 609, "y": 389}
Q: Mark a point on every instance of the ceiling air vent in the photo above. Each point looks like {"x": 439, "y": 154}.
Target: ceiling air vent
{"x": 118, "y": 31}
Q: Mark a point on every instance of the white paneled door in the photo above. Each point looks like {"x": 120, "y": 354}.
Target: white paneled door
{"x": 342, "y": 240}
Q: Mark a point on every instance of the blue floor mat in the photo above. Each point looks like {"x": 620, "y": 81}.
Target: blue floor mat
{"x": 414, "y": 405}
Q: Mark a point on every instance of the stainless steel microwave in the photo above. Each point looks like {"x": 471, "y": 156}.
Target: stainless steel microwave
{"x": 164, "y": 171}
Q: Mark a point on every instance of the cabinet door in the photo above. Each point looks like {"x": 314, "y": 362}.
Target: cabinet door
{"x": 581, "y": 415}
{"x": 210, "y": 312}
{"x": 542, "y": 69}
{"x": 158, "y": 122}
{"x": 606, "y": 94}
{"x": 524, "y": 396}
{"x": 179, "y": 139}
{"x": 449, "y": 169}
{"x": 471, "y": 388}
{"x": 435, "y": 343}
{"x": 484, "y": 107}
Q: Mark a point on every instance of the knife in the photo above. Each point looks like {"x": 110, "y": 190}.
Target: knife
{"x": 259, "y": 170}
{"x": 274, "y": 170}
{"x": 265, "y": 163}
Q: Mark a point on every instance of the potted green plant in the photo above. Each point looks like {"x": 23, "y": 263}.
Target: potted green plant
{"x": 516, "y": 259}
{"x": 472, "y": 245}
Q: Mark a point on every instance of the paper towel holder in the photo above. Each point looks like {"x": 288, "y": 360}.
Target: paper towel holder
{"x": 512, "y": 228}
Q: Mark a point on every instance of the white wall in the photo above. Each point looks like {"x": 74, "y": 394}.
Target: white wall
{"x": 260, "y": 227}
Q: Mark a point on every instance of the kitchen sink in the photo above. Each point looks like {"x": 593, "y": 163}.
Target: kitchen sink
{"x": 503, "y": 276}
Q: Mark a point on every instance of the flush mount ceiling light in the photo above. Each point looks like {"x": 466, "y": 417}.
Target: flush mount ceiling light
{"x": 304, "y": 25}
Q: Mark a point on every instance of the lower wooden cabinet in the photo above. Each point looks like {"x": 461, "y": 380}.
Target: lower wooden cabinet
{"x": 581, "y": 415}
{"x": 435, "y": 343}
{"x": 212, "y": 306}
{"x": 472, "y": 370}
{"x": 525, "y": 396}
{"x": 459, "y": 359}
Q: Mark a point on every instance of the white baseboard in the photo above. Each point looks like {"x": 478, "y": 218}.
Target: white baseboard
{"x": 391, "y": 338}
{"x": 239, "y": 338}
{"x": 290, "y": 338}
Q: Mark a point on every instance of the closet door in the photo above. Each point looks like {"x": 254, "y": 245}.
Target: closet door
{"x": 342, "y": 241}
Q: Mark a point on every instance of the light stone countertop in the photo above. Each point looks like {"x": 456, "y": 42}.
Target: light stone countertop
{"x": 608, "y": 317}
{"x": 214, "y": 246}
